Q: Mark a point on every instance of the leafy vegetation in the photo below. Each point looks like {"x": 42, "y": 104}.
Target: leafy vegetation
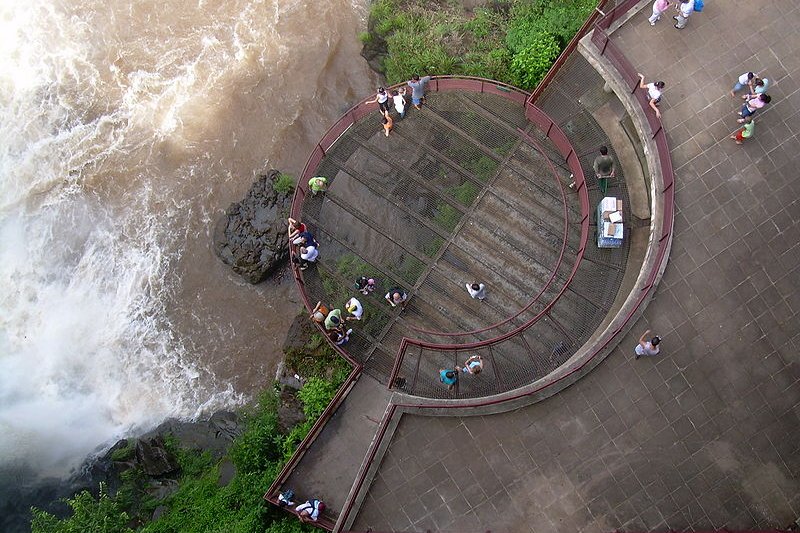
{"x": 200, "y": 503}
{"x": 284, "y": 183}
{"x": 101, "y": 515}
{"x": 514, "y": 41}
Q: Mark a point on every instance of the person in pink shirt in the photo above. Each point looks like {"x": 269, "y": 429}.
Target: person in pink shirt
{"x": 659, "y": 7}
{"x": 752, "y": 105}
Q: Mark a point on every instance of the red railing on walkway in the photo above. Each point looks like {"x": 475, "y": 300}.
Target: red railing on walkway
{"x": 559, "y": 139}
{"x": 609, "y": 50}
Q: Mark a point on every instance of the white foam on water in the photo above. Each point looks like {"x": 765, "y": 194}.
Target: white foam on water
{"x": 121, "y": 125}
{"x": 87, "y": 353}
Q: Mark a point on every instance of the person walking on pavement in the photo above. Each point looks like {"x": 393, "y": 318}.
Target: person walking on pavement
{"x": 685, "y": 8}
{"x": 654, "y": 92}
{"x": 744, "y": 132}
{"x": 603, "y": 168}
{"x": 659, "y": 7}
{"x": 646, "y": 347}
{"x": 476, "y": 290}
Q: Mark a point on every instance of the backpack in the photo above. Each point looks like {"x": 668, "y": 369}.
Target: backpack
{"x": 286, "y": 497}
{"x": 698, "y": 5}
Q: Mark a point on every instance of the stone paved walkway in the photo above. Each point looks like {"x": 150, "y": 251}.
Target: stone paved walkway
{"x": 708, "y": 434}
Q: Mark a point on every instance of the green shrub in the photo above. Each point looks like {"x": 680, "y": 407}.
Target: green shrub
{"x": 101, "y": 515}
{"x": 531, "y": 63}
{"x": 125, "y": 453}
{"x": 284, "y": 183}
{"x": 316, "y": 394}
{"x": 365, "y": 37}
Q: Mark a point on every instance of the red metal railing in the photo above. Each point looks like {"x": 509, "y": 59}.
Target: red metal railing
{"x": 569, "y": 49}
{"x": 608, "y": 49}
{"x": 559, "y": 139}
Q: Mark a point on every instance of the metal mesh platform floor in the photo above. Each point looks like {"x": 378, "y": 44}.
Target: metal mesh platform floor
{"x": 465, "y": 190}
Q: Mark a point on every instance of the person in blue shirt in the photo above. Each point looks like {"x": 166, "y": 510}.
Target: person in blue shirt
{"x": 449, "y": 377}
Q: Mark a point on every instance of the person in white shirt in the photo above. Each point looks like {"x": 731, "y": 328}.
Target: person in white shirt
{"x": 310, "y": 510}
{"x": 476, "y": 290}
{"x": 399, "y": 98}
{"x": 646, "y": 347}
{"x": 308, "y": 255}
{"x": 685, "y": 8}
{"x": 745, "y": 80}
{"x": 654, "y": 91}
{"x": 355, "y": 308}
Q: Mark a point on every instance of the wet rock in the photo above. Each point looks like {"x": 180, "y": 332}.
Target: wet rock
{"x": 227, "y": 470}
{"x": 158, "y": 511}
{"x": 162, "y": 488}
{"x": 290, "y": 410}
{"x": 251, "y": 235}
{"x": 154, "y": 458}
{"x": 375, "y": 49}
{"x": 214, "y": 435}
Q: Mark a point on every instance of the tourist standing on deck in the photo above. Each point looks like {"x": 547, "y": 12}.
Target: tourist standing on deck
{"x": 646, "y": 347}
{"x": 417, "y": 85}
{"x": 603, "y": 168}
{"x": 659, "y": 7}
{"x": 685, "y": 8}
{"x": 654, "y": 91}
{"x": 382, "y": 98}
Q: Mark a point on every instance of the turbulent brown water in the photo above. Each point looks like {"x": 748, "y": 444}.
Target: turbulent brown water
{"x": 126, "y": 127}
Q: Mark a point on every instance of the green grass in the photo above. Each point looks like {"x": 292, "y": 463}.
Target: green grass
{"x": 284, "y": 183}
{"x": 507, "y": 40}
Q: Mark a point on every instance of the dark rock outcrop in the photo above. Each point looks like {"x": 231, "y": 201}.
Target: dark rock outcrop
{"x": 251, "y": 236}
{"x": 154, "y": 458}
{"x": 213, "y": 435}
{"x": 374, "y": 49}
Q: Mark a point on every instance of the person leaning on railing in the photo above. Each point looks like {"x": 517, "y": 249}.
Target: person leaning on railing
{"x": 654, "y": 91}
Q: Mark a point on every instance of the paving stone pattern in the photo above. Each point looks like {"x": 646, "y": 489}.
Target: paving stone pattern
{"x": 706, "y": 435}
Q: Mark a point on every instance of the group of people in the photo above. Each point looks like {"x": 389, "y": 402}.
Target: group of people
{"x": 755, "y": 98}
{"x": 684, "y": 8}
{"x": 306, "y": 247}
{"x": 307, "y": 511}
{"x": 397, "y": 99}
{"x": 472, "y": 366}
{"x": 335, "y": 325}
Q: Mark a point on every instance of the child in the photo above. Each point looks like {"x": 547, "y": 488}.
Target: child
{"x": 387, "y": 123}
{"x": 744, "y": 133}
{"x": 365, "y": 285}
{"x": 399, "y": 98}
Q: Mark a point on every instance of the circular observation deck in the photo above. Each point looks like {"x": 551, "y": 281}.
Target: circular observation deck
{"x": 474, "y": 187}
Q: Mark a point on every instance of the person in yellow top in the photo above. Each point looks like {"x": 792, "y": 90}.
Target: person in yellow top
{"x": 317, "y": 184}
{"x": 745, "y": 132}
